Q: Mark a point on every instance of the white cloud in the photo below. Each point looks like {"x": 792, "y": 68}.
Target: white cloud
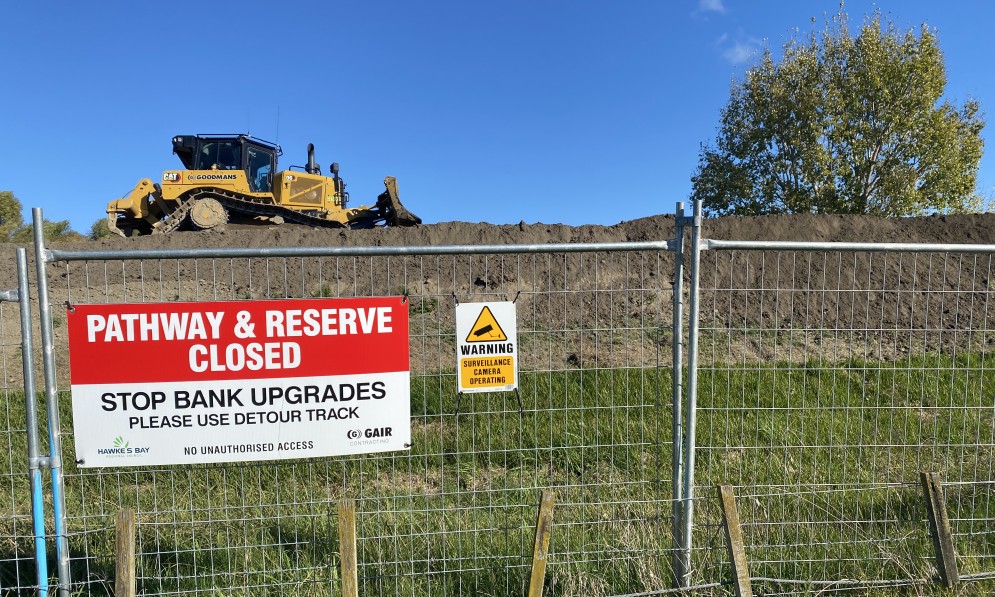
{"x": 711, "y": 6}
{"x": 741, "y": 52}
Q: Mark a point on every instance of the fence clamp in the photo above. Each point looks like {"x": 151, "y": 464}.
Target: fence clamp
{"x": 40, "y": 462}
{"x": 10, "y": 296}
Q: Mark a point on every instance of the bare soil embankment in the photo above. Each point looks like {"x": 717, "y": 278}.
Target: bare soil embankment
{"x": 595, "y": 310}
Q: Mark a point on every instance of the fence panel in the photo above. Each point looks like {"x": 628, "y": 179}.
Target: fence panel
{"x": 828, "y": 379}
{"x": 17, "y": 568}
{"x": 19, "y": 560}
{"x": 454, "y": 515}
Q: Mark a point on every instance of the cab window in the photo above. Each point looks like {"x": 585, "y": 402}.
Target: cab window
{"x": 260, "y": 167}
{"x": 220, "y": 155}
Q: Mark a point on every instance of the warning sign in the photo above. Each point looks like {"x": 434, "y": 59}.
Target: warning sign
{"x": 486, "y": 347}
{"x": 230, "y": 381}
{"x": 486, "y": 328}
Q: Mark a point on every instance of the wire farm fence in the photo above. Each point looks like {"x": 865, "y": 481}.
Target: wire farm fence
{"x": 829, "y": 376}
{"x": 456, "y": 514}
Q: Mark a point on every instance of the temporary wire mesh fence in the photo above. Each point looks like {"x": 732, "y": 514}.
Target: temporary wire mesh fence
{"x": 828, "y": 379}
{"x": 17, "y": 555}
{"x": 456, "y": 514}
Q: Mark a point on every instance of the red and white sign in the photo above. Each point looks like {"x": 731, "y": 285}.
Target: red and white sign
{"x": 226, "y": 381}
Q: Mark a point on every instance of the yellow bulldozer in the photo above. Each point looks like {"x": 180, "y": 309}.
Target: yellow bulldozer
{"x": 234, "y": 178}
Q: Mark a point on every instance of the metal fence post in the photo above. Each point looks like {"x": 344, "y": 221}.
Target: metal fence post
{"x": 692, "y": 393}
{"x": 52, "y": 403}
{"x": 31, "y": 424}
{"x": 677, "y": 373}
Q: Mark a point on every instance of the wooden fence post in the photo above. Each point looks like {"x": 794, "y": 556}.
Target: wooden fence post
{"x": 734, "y": 542}
{"x": 544, "y": 526}
{"x": 125, "y": 581}
{"x": 347, "y": 548}
{"x": 939, "y": 528}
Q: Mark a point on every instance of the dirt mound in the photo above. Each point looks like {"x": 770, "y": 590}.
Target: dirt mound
{"x": 946, "y": 229}
{"x": 966, "y": 229}
{"x": 604, "y": 309}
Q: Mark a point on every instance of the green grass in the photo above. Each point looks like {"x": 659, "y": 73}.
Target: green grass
{"x": 825, "y": 458}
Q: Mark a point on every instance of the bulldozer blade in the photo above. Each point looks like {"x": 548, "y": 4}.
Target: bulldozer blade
{"x": 394, "y": 212}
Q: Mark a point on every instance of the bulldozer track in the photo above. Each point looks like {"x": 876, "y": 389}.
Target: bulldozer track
{"x": 176, "y": 218}
{"x": 241, "y": 204}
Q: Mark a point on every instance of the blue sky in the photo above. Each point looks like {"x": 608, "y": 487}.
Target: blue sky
{"x": 544, "y": 111}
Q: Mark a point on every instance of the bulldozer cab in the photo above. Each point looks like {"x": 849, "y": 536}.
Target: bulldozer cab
{"x": 257, "y": 158}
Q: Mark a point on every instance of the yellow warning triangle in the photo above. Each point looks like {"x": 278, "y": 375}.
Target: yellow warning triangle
{"x": 486, "y": 328}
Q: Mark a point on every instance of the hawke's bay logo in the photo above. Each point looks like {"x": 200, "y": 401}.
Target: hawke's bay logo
{"x": 120, "y": 447}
